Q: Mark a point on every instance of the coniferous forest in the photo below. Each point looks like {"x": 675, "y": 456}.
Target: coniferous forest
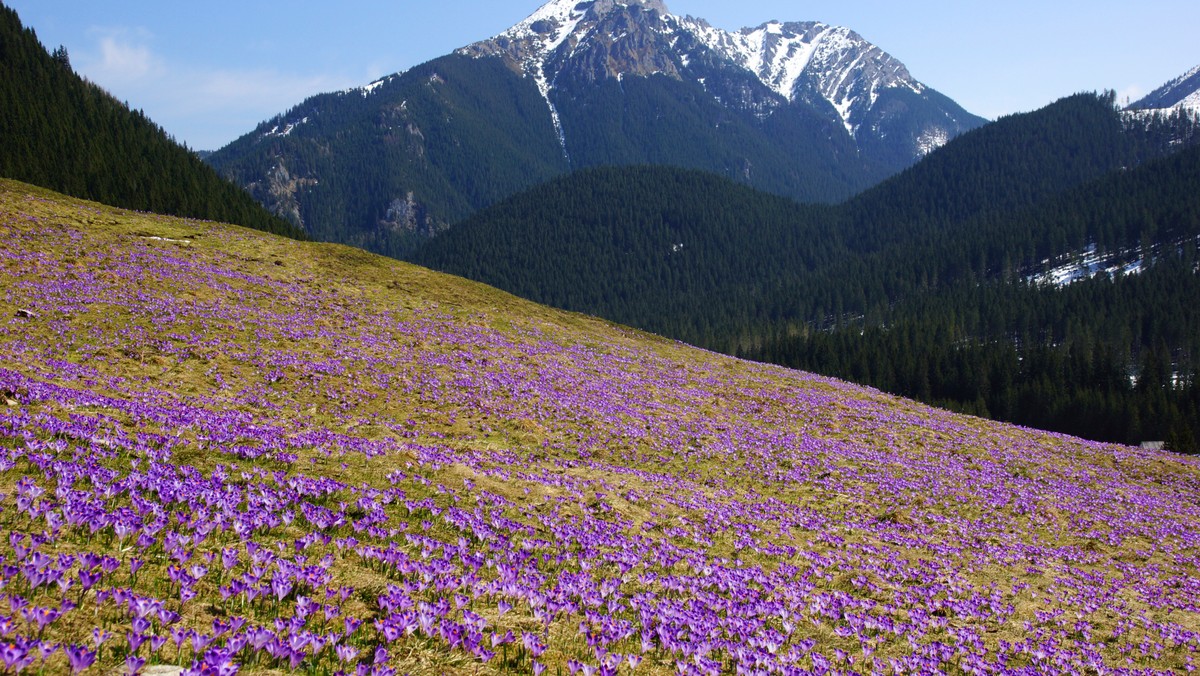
{"x": 64, "y": 133}
{"x": 936, "y": 284}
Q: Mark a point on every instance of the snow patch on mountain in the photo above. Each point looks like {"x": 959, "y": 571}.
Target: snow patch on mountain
{"x": 549, "y": 27}
{"x": 1092, "y": 262}
{"x": 1087, "y": 264}
{"x": 776, "y": 57}
{"x": 931, "y": 139}
{"x": 1182, "y": 93}
{"x": 532, "y": 41}
{"x": 835, "y": 62}
{"x": 284, "y": 128}
{"x": 370, "y": 88}
{"x": 1191, "y": 102}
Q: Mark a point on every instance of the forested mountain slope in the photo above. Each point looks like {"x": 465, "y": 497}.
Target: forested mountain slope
{"x": 650, "y": 246}
{"x": 1077, "y": 315}
{"x": 61, "y": 132}
{"x": 617, "y": 232}
{"x": 699, "y": 259}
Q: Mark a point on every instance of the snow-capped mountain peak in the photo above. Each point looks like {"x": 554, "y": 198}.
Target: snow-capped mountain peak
{"x": 830, "y": 69}
{"x": 544, "y": 41}
{"x": 557, "y": 23}
{"x": 549, "y": 27}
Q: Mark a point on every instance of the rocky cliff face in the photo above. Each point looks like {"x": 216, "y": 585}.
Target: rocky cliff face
{"x": 280, "y": 192}
{"x": 406, "y": 216}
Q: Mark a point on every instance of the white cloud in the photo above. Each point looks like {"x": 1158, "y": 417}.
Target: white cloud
{"x": 125, "y": 61}
{"x": 203, "y": 106}
{"x": 121, "y": 56}
{"x": 251, "y": 89}
{"x": 1130, "y": 94}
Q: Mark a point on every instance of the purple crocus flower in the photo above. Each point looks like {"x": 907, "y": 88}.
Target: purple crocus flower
{"x": 79, "y": 657}
{"x": 15, "y": 655}
{"x": 168, "y": 617}
{"x": 390, "y": 631}
{"x": 41, "y": 616}
{"x": 200, "y": 641}
{"x": 156, "y": 643}
{"x": 502, "y": 639}
{"x": 346, "y": 653}
{"x": 88, "y": 578}
{"x": 46, "y": 649}
{"x": 281, "y": 586}
{"x": 222, "y": 666}
{"x": 259, "y": 637}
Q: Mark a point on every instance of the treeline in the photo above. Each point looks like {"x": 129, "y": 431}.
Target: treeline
{"x": 912, "y": 287}
{"x": 63, "y": 133}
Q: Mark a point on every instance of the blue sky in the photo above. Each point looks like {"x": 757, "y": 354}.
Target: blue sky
{"x": 209, "y": 72}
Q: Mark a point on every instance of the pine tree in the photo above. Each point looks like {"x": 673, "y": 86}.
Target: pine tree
{"x": 61, "y": 57}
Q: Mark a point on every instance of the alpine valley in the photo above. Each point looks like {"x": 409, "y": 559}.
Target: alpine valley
{"x": 224, "y": 451}
{"x": 804, "y": 110}
{"x": 1038, "y": 269}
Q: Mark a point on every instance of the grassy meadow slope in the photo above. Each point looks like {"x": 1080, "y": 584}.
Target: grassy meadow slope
{"x": 222, "y": 449}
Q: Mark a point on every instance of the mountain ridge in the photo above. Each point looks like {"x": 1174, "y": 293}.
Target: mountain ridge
{"x": 809, "y": 61}
{"x": 616, "y": 84}
{"x": 1181, "y": 93}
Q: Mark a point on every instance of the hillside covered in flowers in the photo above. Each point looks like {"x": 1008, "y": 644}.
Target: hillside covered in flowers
{"x": 229, "y": 453}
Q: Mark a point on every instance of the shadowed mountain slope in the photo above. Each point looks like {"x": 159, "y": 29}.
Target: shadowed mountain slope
{"x": 62, "y": 132}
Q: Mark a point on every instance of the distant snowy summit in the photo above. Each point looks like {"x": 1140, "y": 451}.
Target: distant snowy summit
{"x": 829, "y": 68}
{"x": 1182, "y": 93}
{"x": 811, "y": 60}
